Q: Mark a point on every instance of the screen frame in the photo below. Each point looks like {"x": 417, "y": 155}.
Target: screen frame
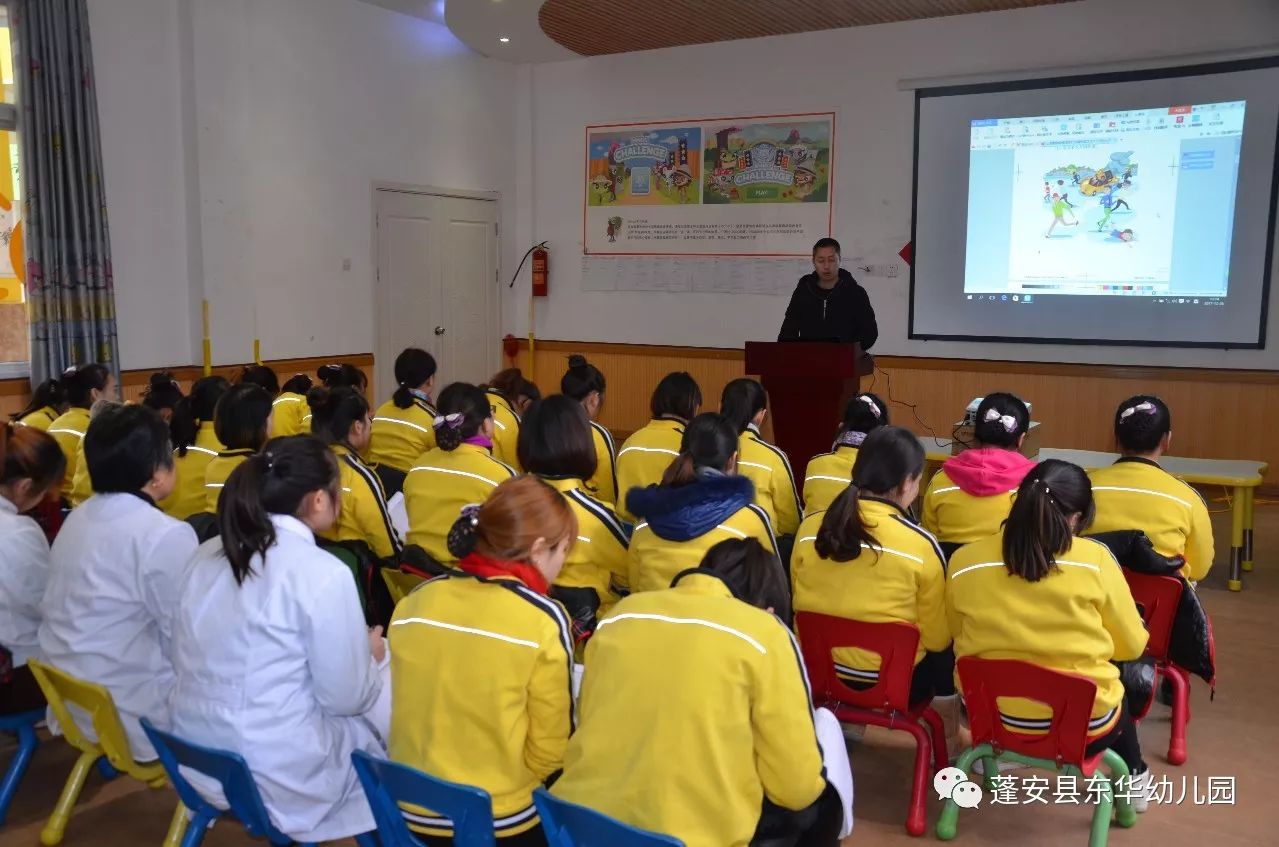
{"x": 1083, "y": 79}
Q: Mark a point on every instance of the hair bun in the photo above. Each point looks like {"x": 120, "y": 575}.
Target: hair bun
{"x": 577, "y": 360}
{"x": 464, "y": 533}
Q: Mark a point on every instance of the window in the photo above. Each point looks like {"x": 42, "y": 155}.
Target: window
{"x": 13, "y": 306}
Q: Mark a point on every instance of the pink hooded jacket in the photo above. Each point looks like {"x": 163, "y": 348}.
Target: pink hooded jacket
{"x": 985, "y": 471}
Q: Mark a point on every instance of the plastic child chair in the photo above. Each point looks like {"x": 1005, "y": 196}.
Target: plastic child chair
{"x": 1061, "y": 748}
{"x": 1157, "y": 598}
{"x": 570, "y": 825}
{"x": 110, "y": 752}
{"x": 388, "y": 784}
{"x": 24, "y": 724}
{"x": 400, "y": 583}
{"x": 887, "y": 702}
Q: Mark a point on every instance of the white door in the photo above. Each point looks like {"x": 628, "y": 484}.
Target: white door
{"x": 436, "y": 284}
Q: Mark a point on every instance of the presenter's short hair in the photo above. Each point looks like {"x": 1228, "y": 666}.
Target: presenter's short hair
{"x": 827, "y": 242}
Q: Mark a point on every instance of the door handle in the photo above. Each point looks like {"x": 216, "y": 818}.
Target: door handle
{"x": 439, "y": 330}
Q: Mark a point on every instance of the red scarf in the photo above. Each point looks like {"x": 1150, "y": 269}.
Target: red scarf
{"x": 486, "y": 568}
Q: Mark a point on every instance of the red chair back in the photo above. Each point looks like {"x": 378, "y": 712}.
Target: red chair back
{"x": 1157, "y": 599}
{"x": 1069, "y": 697}
{"x": 894, "y": 643}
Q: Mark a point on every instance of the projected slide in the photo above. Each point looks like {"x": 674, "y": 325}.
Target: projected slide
{"x": 1127, "y": 203}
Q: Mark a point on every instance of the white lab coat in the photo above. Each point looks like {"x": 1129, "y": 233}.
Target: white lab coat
{"x": 24, "y": 570}
{"x": 278, "y": 669}
{"x": 113, "y": 578}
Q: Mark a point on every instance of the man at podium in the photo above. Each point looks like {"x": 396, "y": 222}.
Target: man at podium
{"x": 828, "y": 304}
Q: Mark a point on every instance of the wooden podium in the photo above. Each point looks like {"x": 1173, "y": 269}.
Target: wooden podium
{"x": 808, "y": 385}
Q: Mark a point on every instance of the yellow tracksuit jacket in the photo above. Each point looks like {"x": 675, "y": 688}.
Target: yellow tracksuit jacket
{"x": 599, "y": 558}
{"x": 653, "y": 561}
{"x": 827, "y": 476}
{"x": 694, "y": 708}
{"x": 68, "y": 430}
{"x": 645, "y": 456}
{"x": 401, "y": 435}
{"x": 903, "y": 581}
{"x": 287, "y": 412}
{"x": 603, "y": 486}
{"x": 40, "y": 419}
{"x": 440, "y": 484}
{"x": 1136, "y": 493}
{"x": 957, "y": 517}
{"x": 1076, "y": 620}
{"x": 188, "y": 497}
{"x": 363, "y": 516}
{"x": 481, "y": 692}
{"x": 769, "y": 469}
{"x": 216, "y": 473}
{"x": 506, "y": 430}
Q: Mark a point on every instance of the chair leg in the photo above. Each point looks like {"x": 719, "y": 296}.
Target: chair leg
{"x": 1180, "y": 716}
{"x": 1125, "y": 814}
{"x": 948, "y": 822}
{"x": 187, "y": 833}
{"x": 1100, "y": 831}
{"x": 941, "y": 757}
{"x": 57, "y": 823}
{"x": 27, "y": 743}
{"x": 106, "y": 770}
{"x": 916, "y": 818}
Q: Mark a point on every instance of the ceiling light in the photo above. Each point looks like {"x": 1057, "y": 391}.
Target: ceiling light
{"x": 504, "y": 40}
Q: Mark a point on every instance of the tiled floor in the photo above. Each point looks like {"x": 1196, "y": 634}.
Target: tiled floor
{"x": 1237, "y": 735}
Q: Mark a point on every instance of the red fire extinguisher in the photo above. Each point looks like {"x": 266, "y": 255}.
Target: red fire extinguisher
{"x": 541, "y": 271}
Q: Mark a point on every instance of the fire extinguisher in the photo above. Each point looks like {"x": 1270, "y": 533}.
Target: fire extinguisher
{"x": 540, "y": 270}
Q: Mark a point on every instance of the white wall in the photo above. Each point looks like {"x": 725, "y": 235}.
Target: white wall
{"x": 854, "y": 72}
{"x": 264, "y": 126}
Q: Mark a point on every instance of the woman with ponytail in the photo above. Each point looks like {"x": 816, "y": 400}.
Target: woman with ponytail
{"x": 194, "y": 445}
{"x": 48, "y": 402}
{"x": 162, "y": 394}
{"x": 340, "y": 419}
{"x": 290, "y": 407}
{"x": 260, "y": 375}
{"x": 585, "y": 383}
{"x": 707, "y": 658}
{"x": 242, "y": 421}
{"x": 865, "y": 559}
{"x": 970, "y": 496}
{"x": 700, "y": 502}
{"x": 270, "y": 650}
{"x": 404, "y": 426}
{"x": 84, "y": 386}
{"x": 31, "y": 465}
{"x": 458, "y": 472}
{"x": 337, "y": 375}
{"x": 483, "y": 660}
{"x": 509, "y": 394}
{"x": 745, "y": 405}
{"x": 647, "y": 454}
{"x": 1059, "y": 601}
{"x": 1136, "y": 493}
{"x": 828, "y": 473}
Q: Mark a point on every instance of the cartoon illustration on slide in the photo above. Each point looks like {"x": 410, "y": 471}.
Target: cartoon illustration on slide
{"x": 1059, "y": 207}
{"x": 767, "y": 162}
{"x": 614, "y": 227}
{"x": 638, "y": 167}
{"x": 1111, "y": 185}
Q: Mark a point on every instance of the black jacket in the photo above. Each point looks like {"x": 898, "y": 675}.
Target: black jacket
{"x": 843, "y": 313}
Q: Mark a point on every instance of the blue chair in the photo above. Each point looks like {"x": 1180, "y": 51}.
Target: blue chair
{"x": 570, "y": 825}
{"x": 24, "y": 724}
{"x": 387, "y": 784}
{"x": 237, "y": 782}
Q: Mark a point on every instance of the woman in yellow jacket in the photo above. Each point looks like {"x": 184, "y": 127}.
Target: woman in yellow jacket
{"x": 745, "y": 405}
{"x": 48, "y": 402}
{"x": 828, "y": 473}
{"x": 337, "y": 375}
{"x": 700, "y": 502}
{"x": 971, "y": 495}
{"x": 555, "y": 444}
{"x": 340, "y": 418}
{"x": 585, "y": 383}
{"x": 460, "y": 471}
{"x": 866, "y": 560}
{"x": 1136, "y": 493}
{"x": 1037, "y": 592}
{"x": 509, "y": 394}
{"x": 85, "y": 386}
{"x": 647, "y": 454}
{"x": 404, "y": 426}
{"x": 482, "y": 661}
{"x": 704, "y": 662}
{"x": 242, "y": 421}
{"x": 290, "y": 407}
{"x": 194, "y": 445}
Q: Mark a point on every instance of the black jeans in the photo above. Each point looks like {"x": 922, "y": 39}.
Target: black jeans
{"x": 816, "y": 826}
{"x": 21, "y": 694}
{"x": 934, "y": 676}
{"x": 1123, "y": 739}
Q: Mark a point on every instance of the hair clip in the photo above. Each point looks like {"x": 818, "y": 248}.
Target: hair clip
{"x": 874, "y": 409}
{"x": 1145, "y": 407}
{"x": 69, "y": 372}
{"x": 270, "y": 459}
{"x": 472, "y": 513}
{"x": 452, "y": 421}
{"x": 851, "y": 438}
{"x": 1008, "y": 421}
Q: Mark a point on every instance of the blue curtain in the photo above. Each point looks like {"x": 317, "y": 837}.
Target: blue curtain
{"x": 70, "y": 294}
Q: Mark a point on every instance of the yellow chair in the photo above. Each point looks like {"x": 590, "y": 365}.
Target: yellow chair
{"x": 400, "y": 583}
{"x": 60, "y": 688}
